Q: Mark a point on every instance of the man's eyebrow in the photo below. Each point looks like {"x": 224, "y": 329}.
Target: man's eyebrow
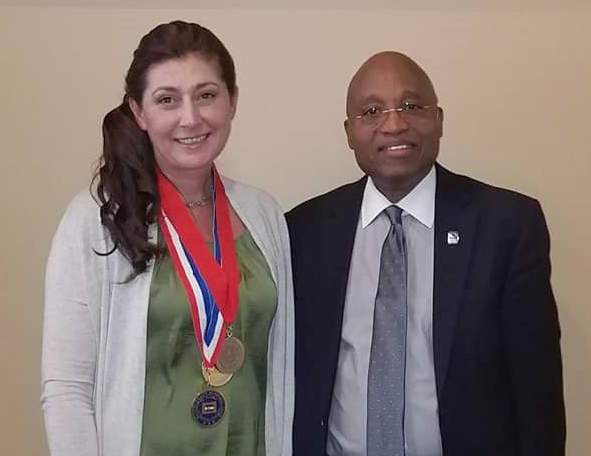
{"x": 375, "y": 98}
{"x": 411, "y": 94}
{"x": 371, "y": 97}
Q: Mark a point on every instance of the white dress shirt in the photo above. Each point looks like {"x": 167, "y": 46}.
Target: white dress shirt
{"x": 347, "y": 426}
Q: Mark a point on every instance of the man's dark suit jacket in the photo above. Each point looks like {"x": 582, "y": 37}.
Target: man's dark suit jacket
{"x": 496, "y": 337}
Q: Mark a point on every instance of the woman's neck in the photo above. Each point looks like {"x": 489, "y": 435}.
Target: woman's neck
{"x": 193, "y": 185}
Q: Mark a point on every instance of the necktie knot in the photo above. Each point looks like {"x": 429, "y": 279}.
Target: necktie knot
{"x": 394, "y": 213}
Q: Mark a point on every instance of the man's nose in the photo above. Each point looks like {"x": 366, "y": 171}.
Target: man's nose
{"x": 394, "y": 121}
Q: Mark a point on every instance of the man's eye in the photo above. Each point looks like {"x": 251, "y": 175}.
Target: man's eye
{"x": 371, "y": 111}
{"x": 407, "y": 106}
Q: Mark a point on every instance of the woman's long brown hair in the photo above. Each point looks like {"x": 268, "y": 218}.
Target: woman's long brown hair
{"x": 125, "y": 178}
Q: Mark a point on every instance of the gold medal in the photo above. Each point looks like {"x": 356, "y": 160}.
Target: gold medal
{"x": 214, "y": 377}
{"x": 231, "y": 356}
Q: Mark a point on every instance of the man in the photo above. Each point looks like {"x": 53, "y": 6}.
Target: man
{"x": 430, "y": 329}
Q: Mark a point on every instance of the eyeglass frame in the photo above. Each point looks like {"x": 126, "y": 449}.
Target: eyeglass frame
{"x": 400, "y": 110}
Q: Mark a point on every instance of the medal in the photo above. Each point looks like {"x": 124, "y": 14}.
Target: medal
{"x": 211, "y": 282}
{"x": 208, "y": 408}
{"x": 231, "y": 356}
{"x": 214, "y": 377}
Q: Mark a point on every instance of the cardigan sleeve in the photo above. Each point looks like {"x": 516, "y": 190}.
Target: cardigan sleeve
{"x": 69, "y": 350}
{"x": 282, "y": 361}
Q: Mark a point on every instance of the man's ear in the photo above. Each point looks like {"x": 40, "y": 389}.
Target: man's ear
{"x": 138, "y": 113}
{"x": 347, "y": 126}
{"x": 440, "y": 119}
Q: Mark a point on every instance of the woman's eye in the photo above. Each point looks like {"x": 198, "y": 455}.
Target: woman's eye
{"x": 208, "y": 95}
{"x": 166, "y": 100}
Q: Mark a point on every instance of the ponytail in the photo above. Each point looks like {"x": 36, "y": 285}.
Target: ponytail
{"x": 126, "y": 187}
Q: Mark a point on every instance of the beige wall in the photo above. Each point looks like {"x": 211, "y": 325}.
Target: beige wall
{"x": 514, "y": 79}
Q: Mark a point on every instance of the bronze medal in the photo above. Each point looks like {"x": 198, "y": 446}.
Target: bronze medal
{"x": 214, "y": 377}
{"x": 231, "y": 356}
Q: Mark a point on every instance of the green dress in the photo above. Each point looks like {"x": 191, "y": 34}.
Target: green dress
{"x": 173, "y": 366}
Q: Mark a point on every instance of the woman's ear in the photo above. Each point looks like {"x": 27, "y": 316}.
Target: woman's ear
{"x": 138, "y": 113}
{"x": 234, "y": 101}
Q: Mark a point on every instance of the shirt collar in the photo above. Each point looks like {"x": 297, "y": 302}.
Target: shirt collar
{"x": 420, "y": 202}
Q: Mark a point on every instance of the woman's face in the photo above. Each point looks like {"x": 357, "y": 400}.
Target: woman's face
{"x": 187, "y": 111}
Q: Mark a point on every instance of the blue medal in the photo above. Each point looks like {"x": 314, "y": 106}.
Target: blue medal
{"x": 208, "y": 407}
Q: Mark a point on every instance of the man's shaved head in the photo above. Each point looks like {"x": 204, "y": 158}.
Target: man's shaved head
{"x": 389, "y": 61}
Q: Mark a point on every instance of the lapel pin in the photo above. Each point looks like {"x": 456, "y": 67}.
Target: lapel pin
{"x": 453, "y": 237}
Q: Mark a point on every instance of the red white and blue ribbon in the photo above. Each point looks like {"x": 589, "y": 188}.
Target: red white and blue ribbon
{"x": 210, "y": 281}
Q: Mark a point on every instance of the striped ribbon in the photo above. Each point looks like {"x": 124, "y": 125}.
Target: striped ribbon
{"x": 210, "y": 280}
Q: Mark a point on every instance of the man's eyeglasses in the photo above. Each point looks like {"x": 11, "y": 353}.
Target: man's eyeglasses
{"x": 376, "y": 115}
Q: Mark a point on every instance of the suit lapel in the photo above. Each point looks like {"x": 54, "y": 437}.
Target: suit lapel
{"x": 455, "y": 225}
{"x": 338, "y": 236}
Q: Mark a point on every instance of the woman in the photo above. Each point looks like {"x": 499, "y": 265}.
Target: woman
{"x": 169, "y": 308}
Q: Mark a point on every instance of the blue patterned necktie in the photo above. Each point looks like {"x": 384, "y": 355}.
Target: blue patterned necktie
{"x": 385, "y": 386}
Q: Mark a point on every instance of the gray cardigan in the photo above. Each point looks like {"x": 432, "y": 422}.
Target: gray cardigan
{"x": 94, "y": 333}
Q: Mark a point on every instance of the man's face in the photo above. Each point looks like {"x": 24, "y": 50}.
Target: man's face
{"x": 397, "y": 149}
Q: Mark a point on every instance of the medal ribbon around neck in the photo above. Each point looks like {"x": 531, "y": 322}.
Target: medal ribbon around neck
{"x": 210, "y": 281}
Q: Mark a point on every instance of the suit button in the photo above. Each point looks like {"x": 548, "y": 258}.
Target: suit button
{"x": 322, "y": 423}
